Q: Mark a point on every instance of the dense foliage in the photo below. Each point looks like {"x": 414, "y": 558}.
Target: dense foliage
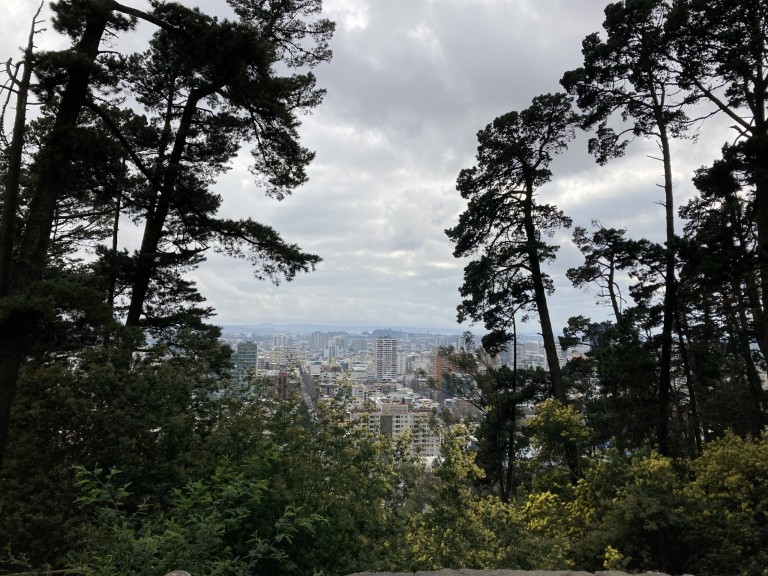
{"x": 123, "y": 449}
{"x": 262, "y": 488}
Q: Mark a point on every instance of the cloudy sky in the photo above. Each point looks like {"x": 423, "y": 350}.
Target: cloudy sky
{"x": 410, "y": 84}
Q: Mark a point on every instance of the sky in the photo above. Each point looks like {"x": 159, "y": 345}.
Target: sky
{"x": 410, "y": 84}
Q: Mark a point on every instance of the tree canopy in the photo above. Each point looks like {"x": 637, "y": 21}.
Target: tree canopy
{"x": 172, "y": 118}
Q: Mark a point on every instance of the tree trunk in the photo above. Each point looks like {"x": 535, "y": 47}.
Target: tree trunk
{"x": 508, "y": 479}
{"x": 540, "y": 296}
{"x": 153, "y": 229}
{"x": 17, "y": 331}
{"x": 756, "y": 391}
{"x": 758, "y": 142}
{"x": 670, "y": 298}
{"x": 761, "y": 209}
{"x": 112, "y": 279}
{"x": 692, "y": 380}
{"x": 13, "y": 176}
{"x": 612, "y": 293}
{"x": 550, "y": 349}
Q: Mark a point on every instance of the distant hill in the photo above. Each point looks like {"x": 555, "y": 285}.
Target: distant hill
{"x": 370, "y": 330}
{"x": 270, "y": 328}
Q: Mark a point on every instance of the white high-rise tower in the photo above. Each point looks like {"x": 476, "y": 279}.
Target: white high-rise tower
{"x": 385, "y": 356}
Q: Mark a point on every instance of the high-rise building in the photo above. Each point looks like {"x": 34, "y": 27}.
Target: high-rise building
{"x": 340, "y": 342}
{"x": 403, "y": 363}
{"x": 319, "y": 340}
{"x": 439, "y": 368}
{"x": 279, "y": 340}
{"x": 385, "y": 358}
{"x": 245, "y": 359}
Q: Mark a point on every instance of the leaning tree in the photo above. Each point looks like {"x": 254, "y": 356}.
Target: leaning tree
{"x": 216, "y": 84}
{"x": 504, "y": 227}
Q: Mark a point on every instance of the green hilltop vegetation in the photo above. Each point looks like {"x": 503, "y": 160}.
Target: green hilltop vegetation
{"x": 122, "y": 449}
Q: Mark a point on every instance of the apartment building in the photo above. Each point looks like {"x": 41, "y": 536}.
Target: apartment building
{"x": 395, "y": 419}
{"x": 385, "y": 358}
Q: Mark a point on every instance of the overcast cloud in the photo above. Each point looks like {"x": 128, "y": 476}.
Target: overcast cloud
{"x": 410, "y": 84}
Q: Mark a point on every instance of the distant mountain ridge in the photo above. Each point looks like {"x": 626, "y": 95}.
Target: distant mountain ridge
{"x": 271, "y": 328}
{"x": 370, "y": 329}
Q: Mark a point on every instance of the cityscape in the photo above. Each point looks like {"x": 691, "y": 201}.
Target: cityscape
{"x": 392, "y": 379}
